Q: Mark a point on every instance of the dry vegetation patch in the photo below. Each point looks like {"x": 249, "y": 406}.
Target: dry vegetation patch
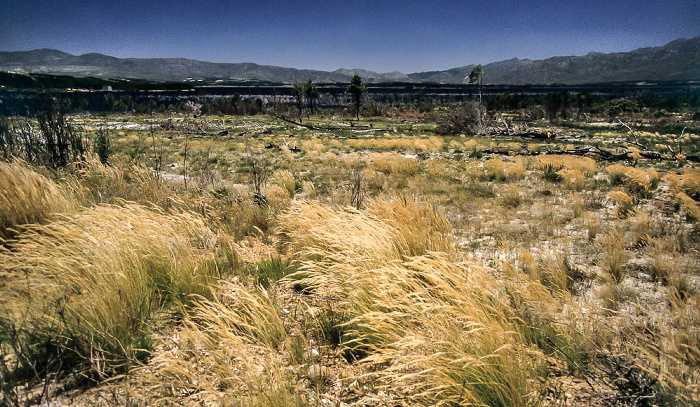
{"x": 91, "y": 284}
{"x": 27, "y": 197}
{"x": 480, "y": 271}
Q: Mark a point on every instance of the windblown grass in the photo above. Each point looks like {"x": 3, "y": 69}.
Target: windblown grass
{"x": 27, "y": 197}
{"x": 638, "y": 180}
{"x": 670, "y": 354}
{"x": 227, "y": 352}
{"x": 284, "y": 179}
{"x": 94, "y": 183}
{"x": 387, "y": 231}
{"x": 90, "y": 284}
{"x": 427, "y": 329}
{"x": 691, "y": 182}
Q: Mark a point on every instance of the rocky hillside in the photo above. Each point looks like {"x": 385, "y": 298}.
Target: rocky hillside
{"x": 677, "y": 60}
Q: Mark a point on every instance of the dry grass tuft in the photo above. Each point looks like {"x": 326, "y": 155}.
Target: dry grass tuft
{"x": 277, "y": 197}
{"x": 308, "y": 189}
{"x": 426, "y": 330}
{"x": 615, "y": 256}
{"x": 670, "y": 354}
{"x": 572, "y": 179}
{"x": 284, "y": 179}
{"x": 638, "y": 180}
{"x": 472, "y": 146}
{"x": 641, "y": 226}
{"x": 691, "y": 182}
{"x": 421, "y": 227}
{"x": 90, "y": 284}
{"x": 623, "y": 202}
{"x": 96, "y": 183}
{"x": 386, "y": 232}
{"x": 690, "y": 206}
{"x": 592, "y": 225}
{"x": 509, "y": 196}
{"x": 554, "y": 163}
{"x": 395, "y": 164}
{"x": 499, "y": 170}
{"x": 674, "y": 182}
{"x": 227, "y": 352}
{"x": 437, "y": 333}
{"x": 398, "y": 144}
{"x": 27, "y": 197}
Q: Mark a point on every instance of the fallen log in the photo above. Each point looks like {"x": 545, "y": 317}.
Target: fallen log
{"x": 536, "y": 135}
{"x": 308, "y": 126}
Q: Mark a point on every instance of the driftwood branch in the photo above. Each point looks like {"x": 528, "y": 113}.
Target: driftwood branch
{"x": 308, "y": 126}
{"x": 524, "y": 134}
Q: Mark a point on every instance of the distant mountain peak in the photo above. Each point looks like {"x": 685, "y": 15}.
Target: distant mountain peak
{"x": 677, "y": 60}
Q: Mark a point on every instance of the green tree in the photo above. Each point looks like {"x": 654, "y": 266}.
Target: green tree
{"x": 421, "y": 102}
{"x": 357, "y": 89}
{"x": 621, "y": 106}
{"x": 477, "y": 76}
{"x": 557, "y": 104}
{"x": 102, "y": 145}
{"x": 298, "y": 93}
{"x": 584, "y": 100}
{"x": 311, "y": 92}
{"x": 110, "y": 101}
{"x": 83, "y": 104}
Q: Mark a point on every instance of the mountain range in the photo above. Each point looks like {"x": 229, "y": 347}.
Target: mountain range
{"x": 678, "y": 60}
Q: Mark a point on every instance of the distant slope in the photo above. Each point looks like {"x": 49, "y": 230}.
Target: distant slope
{"x": 677, "y": 60}
{"x": 49, "y": 61}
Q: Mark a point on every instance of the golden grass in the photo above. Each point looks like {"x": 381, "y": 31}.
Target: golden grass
{"x": 423, "y": 145}
{"x": 436, "y": 168}
{"x": 96, "y": 183}
{"x": 353, "y": 160}
{"x": 584, "y": 165}
{"x": 395, "y": 164}
{"x": 641, "y": 226}
{"x": 308, "y": 189}
{"x": 435, "y": 331}
{"x": 387, "y": 231}
{"x": 91, "y": 282}
{"x": 499, "y": 170}
{"x": 674, "y": 182}
{"x": 638, "y": 180}
{"x": 670, "y": 355}
{"x": 691, "y": 207}
{"x": 372, "y": 179}
{"x": 691, "y": 182}
{"x": 509, "y": 196}
{"x": 592, "y": 225}
{"x": 277, "y": 197}
{"x": 616, "y": 172}
{"x": 472, "y": 145}
{"x": 623, "y": 202}
{"x": 572, "y": 179}
{"x": 227, "y": 352}
{"x": 614, "y": 256}
{"x": 284, "y": 179}
{"x": 422, "y": 228}
{"x": 27, "y": 197}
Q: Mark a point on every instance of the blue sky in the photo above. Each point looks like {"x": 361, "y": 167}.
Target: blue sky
{"x": 407, "y": 36}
